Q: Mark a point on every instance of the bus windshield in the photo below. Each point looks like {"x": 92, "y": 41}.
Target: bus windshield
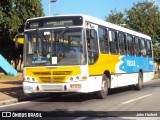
{"x": 54, "y": 47}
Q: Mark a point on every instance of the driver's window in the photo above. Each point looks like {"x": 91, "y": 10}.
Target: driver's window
{"x": 92, "y": 45}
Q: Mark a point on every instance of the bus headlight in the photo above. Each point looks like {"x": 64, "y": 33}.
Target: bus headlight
{"x": 71, "y": 79}
{"x": 30, "y": 79}
{"x": 75, "y": 78}
{"x": 33, "y": 80}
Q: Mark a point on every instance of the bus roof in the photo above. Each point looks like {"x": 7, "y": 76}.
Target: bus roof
{"x": 115, "y": 27}
{"x": 102, "y": 23}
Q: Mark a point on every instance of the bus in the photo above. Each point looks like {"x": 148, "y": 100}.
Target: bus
{"x": 82, "y": 54}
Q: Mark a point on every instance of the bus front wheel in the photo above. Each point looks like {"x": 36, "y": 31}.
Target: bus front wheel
{"x": 104, "y": 88}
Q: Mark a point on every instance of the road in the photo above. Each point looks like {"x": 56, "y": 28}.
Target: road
{"x": 121, "y": 99}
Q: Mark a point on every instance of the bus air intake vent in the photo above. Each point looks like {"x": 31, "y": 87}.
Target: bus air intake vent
{"x": 52, "y": 76}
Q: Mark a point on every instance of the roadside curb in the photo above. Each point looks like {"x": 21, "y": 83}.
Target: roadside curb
{"x": 24, "y": 98}
{"x": 9, "y": 101}
{"x": 9, "y": 89}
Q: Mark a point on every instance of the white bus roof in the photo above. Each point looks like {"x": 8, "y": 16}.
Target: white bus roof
{"x": 115, "y": 27}
{"x": 103, "y": 23}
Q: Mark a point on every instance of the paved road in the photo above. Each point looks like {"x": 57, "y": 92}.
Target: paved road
{"x": 121, "y": 99}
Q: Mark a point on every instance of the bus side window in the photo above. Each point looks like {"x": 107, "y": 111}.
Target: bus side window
{"x": 122, "y": 43}
{"x": 143, "y": 47}
{"x": 137, "y": 46}
{"x": 92, "y": 46}
{"x": 130, "y": 45}
{"x": 149, "y": 48}
{"x": 103, "y": 39}
{"x": 113, "y": 42}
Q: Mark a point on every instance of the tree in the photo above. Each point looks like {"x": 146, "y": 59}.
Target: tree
{"x": 13, "y": 14}
{"x": 116, "y": 17}
{"x": 156, "y": 50}
{"x": 143, "y": 17}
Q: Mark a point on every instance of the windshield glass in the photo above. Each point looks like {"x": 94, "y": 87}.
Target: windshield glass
{"x": 54, "y": 47}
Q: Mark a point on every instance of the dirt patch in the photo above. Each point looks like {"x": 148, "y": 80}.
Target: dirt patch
{"x": 5, "y": 78}
{"x": 156, "y": 76}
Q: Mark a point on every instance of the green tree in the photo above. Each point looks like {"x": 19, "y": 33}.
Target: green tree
{"x": 143, "y": 17}
{"x": 13, "y": 14}
{"x": 116, "y": 17}
{"x": 156, "y": 50}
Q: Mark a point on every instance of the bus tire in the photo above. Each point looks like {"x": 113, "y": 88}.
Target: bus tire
{"x": 104, "y": 88}
{"x": 55, "y": 96}
{"x": 139, "y": 85}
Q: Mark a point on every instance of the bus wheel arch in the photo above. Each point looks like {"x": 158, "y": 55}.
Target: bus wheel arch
{"x": 105, "y": 85}
{"x": 108, "y": 75}
{"x": 139, "y": 85}
{"x": 103, "y": 93}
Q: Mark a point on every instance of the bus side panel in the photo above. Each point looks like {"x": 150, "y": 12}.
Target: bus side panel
{"x": 131, "y": 66}
{"x": 124, "y": 70}
{"x": 105, "y": 62}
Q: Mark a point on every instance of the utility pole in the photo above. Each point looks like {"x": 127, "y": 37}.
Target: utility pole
{"x": 49, "y": 6}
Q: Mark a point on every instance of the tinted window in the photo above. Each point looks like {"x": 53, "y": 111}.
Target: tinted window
{"x": 143, "y": 47}
{"x": 130, "y": 45}
{"x": 103, "y": 40}
{"x": 92, "y": 45}
{"x": 122, "y": 43}
{"x": 137, "y": 47}
{"x": 113, "y": 41}
{"x": 149, "y": 48}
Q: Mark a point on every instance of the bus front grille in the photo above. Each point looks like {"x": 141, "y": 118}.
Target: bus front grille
{"x": 52, "y": 76}
{"x": 55, "y": 79}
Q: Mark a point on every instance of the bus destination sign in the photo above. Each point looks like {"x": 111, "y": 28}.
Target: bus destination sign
{"x": 58, "y": 23}
{"x": 34, "y": 25}
{"x": 54, "y": 22}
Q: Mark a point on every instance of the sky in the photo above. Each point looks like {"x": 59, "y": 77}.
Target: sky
{"x": 95, "y": 8}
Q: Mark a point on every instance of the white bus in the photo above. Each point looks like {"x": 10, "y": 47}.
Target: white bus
{"x": 79, "y": 53}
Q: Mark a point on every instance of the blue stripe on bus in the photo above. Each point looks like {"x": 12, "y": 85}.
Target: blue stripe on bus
{"x": 134, "y": 64}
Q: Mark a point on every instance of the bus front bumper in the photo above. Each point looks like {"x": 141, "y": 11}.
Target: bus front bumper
{"x": 30, "y": 87}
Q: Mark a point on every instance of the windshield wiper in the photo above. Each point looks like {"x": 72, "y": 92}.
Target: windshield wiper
{"x": 63, "y": 31}
{"x": 42, "y": 38}
{"x": 40, "y": 34}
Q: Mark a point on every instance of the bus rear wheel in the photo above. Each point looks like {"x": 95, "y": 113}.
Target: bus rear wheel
{"x": 139, "y": 85}
{"x": 104, "y": 88}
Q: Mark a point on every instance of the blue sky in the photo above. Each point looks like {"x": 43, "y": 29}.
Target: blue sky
{"x": 95, "y": 8}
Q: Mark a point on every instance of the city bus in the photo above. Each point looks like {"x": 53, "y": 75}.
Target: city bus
{"x": 82, "y": 54}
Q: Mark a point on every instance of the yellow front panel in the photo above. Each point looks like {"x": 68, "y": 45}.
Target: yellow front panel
{"x": 105, "y": 62}
{"x": 53, "y": 74}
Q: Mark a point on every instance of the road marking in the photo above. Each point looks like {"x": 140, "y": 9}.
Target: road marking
{"x": 80, "y": 118}
{"x": 129, "y": 101}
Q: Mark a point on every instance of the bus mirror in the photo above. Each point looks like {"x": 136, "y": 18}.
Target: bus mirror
{"x": 16, "y": 42}
{"x": 16, "y": 39}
